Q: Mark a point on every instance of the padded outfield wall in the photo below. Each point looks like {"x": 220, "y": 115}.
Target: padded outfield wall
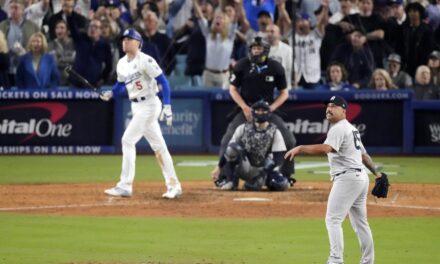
{"x": 67, "y": 121}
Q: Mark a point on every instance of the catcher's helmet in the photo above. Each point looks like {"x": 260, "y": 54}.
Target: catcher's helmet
{"x": 275, "y": 181}
{"x": 133, "y": 34}
{"x": 261, "y": 58}
{"x": 261, "y": 117}
{"x": 234, "y": 152}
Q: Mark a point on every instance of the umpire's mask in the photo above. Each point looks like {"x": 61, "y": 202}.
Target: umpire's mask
{"x": 261, "y": 111}
{"x": 262, "y": 57}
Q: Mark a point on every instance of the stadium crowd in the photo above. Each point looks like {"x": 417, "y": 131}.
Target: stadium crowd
{"x": 337, "y": 44}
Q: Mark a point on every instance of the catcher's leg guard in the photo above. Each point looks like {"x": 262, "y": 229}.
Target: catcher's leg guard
{"x": 256, "y": 183}
{"x": 230, "y": 175}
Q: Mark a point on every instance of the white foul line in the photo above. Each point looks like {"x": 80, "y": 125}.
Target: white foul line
{"x": 107, "y": 204}
{"x": 407, "y": 206}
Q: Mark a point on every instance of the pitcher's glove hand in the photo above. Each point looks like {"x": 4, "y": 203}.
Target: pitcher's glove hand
{"x": 167, "y": 115}
{"x": 381, "y": 185}
{"x": 106, "y": 95}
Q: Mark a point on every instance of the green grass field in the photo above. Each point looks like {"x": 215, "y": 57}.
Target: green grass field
{"x": 69, "y": 169}
{"x": 60, "y": 239}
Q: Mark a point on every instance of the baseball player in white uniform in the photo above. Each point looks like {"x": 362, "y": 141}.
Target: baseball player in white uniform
{"x": 139, "y": 75}
{"x": 347, "y": 157}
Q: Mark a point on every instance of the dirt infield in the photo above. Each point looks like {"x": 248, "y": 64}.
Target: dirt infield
{"x": 200, "y": 199}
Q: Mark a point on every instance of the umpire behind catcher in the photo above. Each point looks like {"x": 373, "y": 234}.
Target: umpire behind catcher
{"x": 255, "y": 78}
{"x": 254, "y": 153}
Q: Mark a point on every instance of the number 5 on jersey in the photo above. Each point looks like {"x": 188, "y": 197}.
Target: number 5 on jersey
{"x": 138, "y": 85}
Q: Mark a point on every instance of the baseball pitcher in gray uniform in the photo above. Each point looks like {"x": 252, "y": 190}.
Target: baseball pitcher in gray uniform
{"x": 347, "y": 157}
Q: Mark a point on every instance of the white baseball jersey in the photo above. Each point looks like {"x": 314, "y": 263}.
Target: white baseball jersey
{"x": 283, "y": 54}
{"x": 345, "y": 139}
{"x": 138, "y": 75}
{"x": 307, "y": 58}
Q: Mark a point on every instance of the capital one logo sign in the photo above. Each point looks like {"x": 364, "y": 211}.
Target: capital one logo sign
{"x": 36, "y": 126}
{"x": 435, "y": 132}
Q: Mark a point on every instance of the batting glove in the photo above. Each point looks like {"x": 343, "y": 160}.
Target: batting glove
{"x": 167, "y": 114}
{"x": 106, "y": 96}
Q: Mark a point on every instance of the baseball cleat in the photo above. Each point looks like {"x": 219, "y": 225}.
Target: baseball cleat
{"x": 227, "y": 186}
{"x": 118, "y": 192}
{"x": 173, "y": 192}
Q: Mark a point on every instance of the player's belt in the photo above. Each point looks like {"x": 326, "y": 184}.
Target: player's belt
{"x": 139, "y": 99}
{"x": 217, "y": 71}
{"x": 351, "y": 169}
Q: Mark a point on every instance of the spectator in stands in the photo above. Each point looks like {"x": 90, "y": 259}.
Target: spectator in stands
{"x": 196, "y": 45}
{"x": 434, "y": 67}
{"x": 392, "y": 28}
{"x": 235, "y": 11}
{"x": 372, "y": 25}
{"x": 219, "y": 41}
{"x": 112, "y": 39}
{"x": 264, "y": 19}
{"x": 417, "y": 42}
{"x": 398, "y": 11}
{"x": 433, "y": 14}
{"x": 423, "y": 88}
{"x": 164, "y": 14}
{"x": 336, "y": 78}
{"x": 400, "y": 78}
{"x": 37, "y": 69}
{"x": 36, "y": 12}
{"x": 179, "y": 12}
{"x": 119, "y": 11}
{"x": 106, "y": 12}
{"x": 309, "y": 7}
{"x": 138, "y": 14}
{"x": 280, "y": 52}
{"x": 93, "y": 59}
{"x": 150, "y": 34}
{"x": 357, "y": 58}
{"x": 284, "y": 21}
{"x": 307, "y": 62}
{"x": 381, "y": 81}
{"x": 334, "y": 35}
{"x": 348, "y": 7}
{"x": 67, "y": 12}
{"x": 17, "y": 30}
{"x": 62, "y": 49}
{"x": 4, "y": 62}
{"x": 254, "y": 11}
{"x": 86, "y": 7}
{"x": 3, "y": 14}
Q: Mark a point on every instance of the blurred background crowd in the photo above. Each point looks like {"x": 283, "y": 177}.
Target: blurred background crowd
{"x": 322, "y": 44}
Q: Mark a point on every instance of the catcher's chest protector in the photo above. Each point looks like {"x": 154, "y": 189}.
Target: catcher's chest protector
{"x": 258, "y": 144}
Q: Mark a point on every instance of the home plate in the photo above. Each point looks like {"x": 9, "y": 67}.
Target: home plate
{"x": 252, "y": 199}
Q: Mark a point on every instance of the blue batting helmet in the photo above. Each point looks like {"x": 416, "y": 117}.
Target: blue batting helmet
{"x": 275, "y": 181}
{"x": 133, "y": 34}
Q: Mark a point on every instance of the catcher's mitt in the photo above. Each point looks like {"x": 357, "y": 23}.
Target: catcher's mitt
{"x": 380, "y": 189}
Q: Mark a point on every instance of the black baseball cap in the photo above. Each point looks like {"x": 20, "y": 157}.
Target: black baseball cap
{"x": 264, "y": 13}
{"x": 337, "y": 100}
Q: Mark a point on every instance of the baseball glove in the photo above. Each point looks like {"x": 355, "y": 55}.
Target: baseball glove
{"x": 381, "y": 185}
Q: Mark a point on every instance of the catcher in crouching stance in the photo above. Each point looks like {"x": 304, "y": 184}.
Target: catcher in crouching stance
{"x": 253, "y": 155}
{"x": 347, "y": 157}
